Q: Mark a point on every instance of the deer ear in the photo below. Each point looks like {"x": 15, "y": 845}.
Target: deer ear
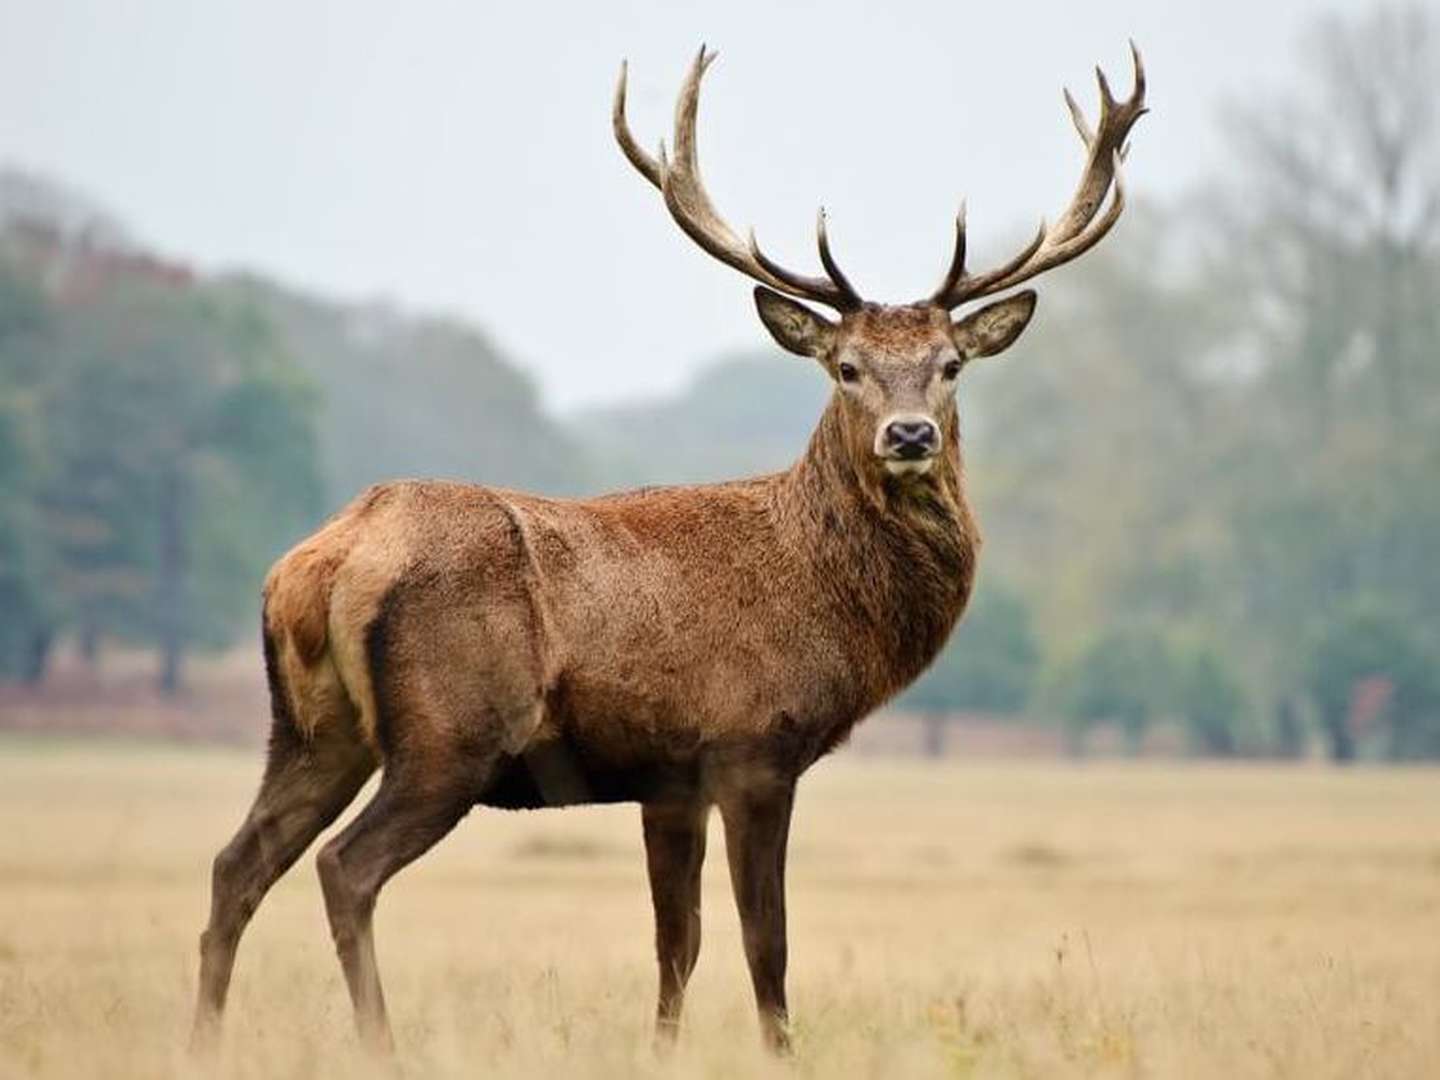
{"x": 994, "y": 327}
{"x": 794, "y": 326}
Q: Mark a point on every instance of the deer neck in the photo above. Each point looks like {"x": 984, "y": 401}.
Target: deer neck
{"x": 897, "y": 555}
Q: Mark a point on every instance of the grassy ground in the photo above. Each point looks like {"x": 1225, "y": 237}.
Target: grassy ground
{"x": 976, "y": 919}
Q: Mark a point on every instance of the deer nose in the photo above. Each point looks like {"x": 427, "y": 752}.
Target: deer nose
{"x": 911, "y": 439}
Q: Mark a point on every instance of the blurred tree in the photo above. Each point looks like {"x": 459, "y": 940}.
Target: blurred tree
{"x": 991, "y": 660}
{"x": 1136, "y": 676}
{"x": 1096, "y": 447}
{"x": 208, "y": 430}
{"x": 744, "y": 414}
{"x": 1209, "y": 697}
{"x": 1370, "y": 648}
{"x": 1333, "y": 259}
{"x": 1289, "y": 737}
{"x": 1122, "y": 677}
{"x": 407, "y": 395}
{"x": 168, "y": 454}
{"x": 26, "y": 619}
{"x": 1341, "y": 194}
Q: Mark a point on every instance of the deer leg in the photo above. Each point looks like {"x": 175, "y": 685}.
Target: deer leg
{"x": 408, "y": 815}
{"x": 674, "y": 855}
{"x": 757, "y": 827}
{"x": 305, "y": 787}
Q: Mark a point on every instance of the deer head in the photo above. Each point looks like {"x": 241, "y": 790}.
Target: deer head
{"x": 894, "y": 366}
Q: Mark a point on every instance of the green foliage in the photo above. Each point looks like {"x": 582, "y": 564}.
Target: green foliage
{"x": 1208, "y": 696}
{"x": 1122, "y": 677}
{"x": 21, "y": 599}
{"x": 160, "y": 451}
{"x": 24, "y": 605}
{"x": 1134, "y": 676}
{"x": 1369, "y": 643}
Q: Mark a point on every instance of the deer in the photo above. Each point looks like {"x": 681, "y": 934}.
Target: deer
{"x": 684, "y": 648}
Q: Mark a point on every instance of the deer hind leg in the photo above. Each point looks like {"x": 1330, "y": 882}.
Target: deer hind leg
{"x": 674, "y": 856}
{"x": 414, "y": 808}
{"x": 307, "y": 783}
{"x": 757, "y": 829}
{"x": 451, "y": 696}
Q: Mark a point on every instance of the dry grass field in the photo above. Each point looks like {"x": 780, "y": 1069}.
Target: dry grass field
{"x": 960, "y": 920}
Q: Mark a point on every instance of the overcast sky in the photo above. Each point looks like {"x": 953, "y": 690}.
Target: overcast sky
{"x": 457, "y": 157}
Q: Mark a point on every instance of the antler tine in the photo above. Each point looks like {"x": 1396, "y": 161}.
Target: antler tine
{"x": 647, "y": 165}
{"x": 827, "y": 260}
{"x": 1077, "y": 116}
{"x": 956, "y": 273}
{"x": 810, "y": 286}
{"x": 1077, "y": 229}
{"x": 802, "y": 285}
{"x": 1137, "y": 93}
{"x": 984, "y": 283}
{"x": 1107, "y": 99}
{"x": 689, "y": 204}
{"x": 959, "y": 285}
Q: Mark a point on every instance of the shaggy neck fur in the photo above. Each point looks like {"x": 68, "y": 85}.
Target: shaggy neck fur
{"x": 897, "y": 554}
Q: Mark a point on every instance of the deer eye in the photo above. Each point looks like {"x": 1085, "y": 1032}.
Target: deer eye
{"x": 951, "y": 370}
{"x": 848, "y": 372}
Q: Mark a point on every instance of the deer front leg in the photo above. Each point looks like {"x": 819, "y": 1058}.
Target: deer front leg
{"x": 674, "y": 855}
{"x": 757, "y": 827}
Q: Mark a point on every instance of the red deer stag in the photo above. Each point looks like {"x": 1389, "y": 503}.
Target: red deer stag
{"x": 682, "y": 647}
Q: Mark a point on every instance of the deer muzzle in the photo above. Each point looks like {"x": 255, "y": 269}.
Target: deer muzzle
{"x": 908, "y": 443}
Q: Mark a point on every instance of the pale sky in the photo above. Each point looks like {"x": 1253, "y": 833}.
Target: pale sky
{"x": 457, "y": 157}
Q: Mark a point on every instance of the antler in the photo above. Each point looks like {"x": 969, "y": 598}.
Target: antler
{"x": 1077, "y": 229}
{"x": 690, "y": 206}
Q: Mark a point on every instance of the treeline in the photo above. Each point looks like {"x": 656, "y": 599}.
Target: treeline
{"x": 1215, "y": 462}
{"x": 414, "y": 396}
{"x": 156, "y": 445}
{"x": 163, "y": 436}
